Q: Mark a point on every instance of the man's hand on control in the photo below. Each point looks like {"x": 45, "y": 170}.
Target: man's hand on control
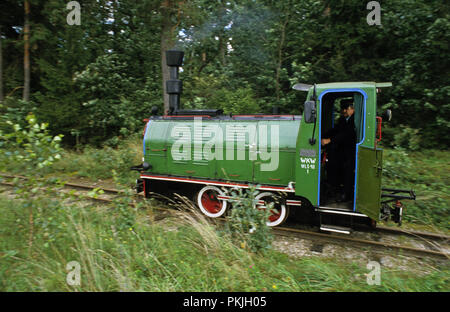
{"x": 325, "y": 141}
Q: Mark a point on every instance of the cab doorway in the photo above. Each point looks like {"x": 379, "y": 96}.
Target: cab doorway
{"x": 341, "y": 130}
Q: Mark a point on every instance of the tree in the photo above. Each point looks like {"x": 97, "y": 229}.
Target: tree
{"x": 26, "y": 54}
{"x": 1, "y": 67}
{"x": 417, "y": 62}
{"x": 167, "y": 42}
{"x": 101, "y": 78}
{"x": 171, "y": 12}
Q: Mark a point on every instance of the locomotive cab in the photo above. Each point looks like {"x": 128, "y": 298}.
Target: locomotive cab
{"x": 355, "y": 169}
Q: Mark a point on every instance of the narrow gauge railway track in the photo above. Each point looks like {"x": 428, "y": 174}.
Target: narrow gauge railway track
{"x": 99, "y": 199}
{"x": 67, "y": 184}
{"x": 300, "y": 233}
{"x": 361, "y": 242}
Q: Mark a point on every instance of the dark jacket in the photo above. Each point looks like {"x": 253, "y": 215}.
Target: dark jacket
{"x": 343, "y": 138}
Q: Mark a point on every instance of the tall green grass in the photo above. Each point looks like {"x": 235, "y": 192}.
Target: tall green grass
{"x": 428, "y": 174}
{"x": 123, "y": 249}
{"x": 99, "y": 163}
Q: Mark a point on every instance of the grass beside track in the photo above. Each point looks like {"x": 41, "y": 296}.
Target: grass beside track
{"x": 123, "y": 250}
{"x": 428, "y": 174}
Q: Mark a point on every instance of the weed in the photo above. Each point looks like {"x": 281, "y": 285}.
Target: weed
{"x": 247, "y": 224}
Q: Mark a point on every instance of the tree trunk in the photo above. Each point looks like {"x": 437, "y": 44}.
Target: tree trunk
{"x": 223, "y": 40}
{"x": 26, "y": 58}
{"x": 280, "y": 59}
{"x": 222, "y": 49}
{"x": 1, "y": 68}
{"x": 115, "y": 36}
{"x": 167, "y": 43}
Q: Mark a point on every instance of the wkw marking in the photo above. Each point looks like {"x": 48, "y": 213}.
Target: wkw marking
{"x": 308, "y": 163}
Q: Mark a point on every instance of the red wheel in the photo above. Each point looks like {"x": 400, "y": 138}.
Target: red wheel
{"x": 278, "y": 213}
{"x": 208, "y": 202}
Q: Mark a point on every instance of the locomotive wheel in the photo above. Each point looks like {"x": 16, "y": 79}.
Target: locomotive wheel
{"x": 208, "y": 202}
{"x": 279, "y": 211}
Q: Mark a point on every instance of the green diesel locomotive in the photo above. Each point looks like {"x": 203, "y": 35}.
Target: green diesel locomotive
{"x": 207, "y": 153}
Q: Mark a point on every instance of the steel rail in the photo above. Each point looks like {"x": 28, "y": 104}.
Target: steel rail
{"x": 287, "y": 231}
{"x": 418, "y": 251}
{"x": 74, "y": 185}
{"x": 396, "y": 231}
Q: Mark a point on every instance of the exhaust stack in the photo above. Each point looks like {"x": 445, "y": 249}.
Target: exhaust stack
{"x": 174, "y": 60}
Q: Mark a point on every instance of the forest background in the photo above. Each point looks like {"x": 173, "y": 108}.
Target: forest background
{"x": 95, "y": 82}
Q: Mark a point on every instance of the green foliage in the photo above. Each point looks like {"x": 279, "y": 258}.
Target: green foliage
{"x": 419, "y": 97}
{"x": 95, "y": 82}
{"x": 125, "y": 206}
{"x": 31, "y": 148}
{"x": 247, "y": 224}
{"x": 16, "y": 111}
{"x": 407, "y": 138}
{"x": 240, "y": 101}
{"x": 112, "y": 107}
{"x": 217, "y": 92}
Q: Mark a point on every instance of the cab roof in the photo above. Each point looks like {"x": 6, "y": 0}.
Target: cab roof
{"x": 352, "y": 85}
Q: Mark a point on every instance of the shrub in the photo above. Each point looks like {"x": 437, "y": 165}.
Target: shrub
{"x": 246, "y": 224}
{"x": 31, "y": 147}
{"x": 408, "y": 138}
